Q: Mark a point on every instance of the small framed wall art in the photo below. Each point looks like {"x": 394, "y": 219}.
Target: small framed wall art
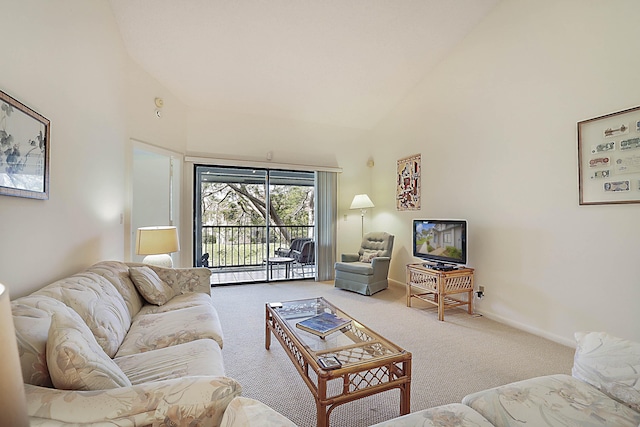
{"x": 408, "y": 183}
{"x": 24, "y": 150}
{"x": 609, "y": 158}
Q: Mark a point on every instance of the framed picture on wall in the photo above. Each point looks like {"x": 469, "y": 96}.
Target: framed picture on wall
{"x": 408, "y": 183}
{"x": 24, "y": 150}
{"x": 609, "y": 158}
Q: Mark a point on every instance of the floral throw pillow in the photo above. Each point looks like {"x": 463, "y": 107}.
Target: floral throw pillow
{"x": 153, "y": 289}
{"x": 76, "y": 361}
{"x": 367, "y": 256}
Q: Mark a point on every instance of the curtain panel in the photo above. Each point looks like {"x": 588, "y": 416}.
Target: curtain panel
{"x": 327, "y": 217}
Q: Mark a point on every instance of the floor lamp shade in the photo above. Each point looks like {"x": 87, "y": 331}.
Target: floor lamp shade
{"x": 362, "y": 202}
{"x": 157, "y": 243}
{"x": 13, "y": 405}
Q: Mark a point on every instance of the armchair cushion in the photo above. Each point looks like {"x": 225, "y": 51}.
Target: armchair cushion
{"x": 377, "y": 241}
{"x": 364, "y": 268}
{"x": 368, "y": 255}
{"x": 76, "y": 361}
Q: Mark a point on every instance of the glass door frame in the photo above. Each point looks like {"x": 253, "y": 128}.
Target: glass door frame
{"x": 250, "y": 174}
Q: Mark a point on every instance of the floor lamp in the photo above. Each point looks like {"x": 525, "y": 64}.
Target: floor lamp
{"x": 362, "y": 202}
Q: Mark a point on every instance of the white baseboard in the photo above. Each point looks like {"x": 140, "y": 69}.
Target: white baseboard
{"x": 396, "y": 283}
{"x": 535, "y": 331}
{"x": 527, "y": 328}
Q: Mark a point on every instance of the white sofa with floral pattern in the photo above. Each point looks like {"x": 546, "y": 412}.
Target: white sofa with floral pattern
{"x": 123, "y": 344}
{"x": 603, "y": 390}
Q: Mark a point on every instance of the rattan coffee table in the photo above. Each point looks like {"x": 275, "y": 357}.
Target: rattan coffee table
{"x": 370, "y": 363}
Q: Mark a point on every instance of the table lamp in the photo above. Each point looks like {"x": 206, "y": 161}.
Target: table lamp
{"x": 362, "y": 202}
{"x": 13, "y": 405}
{"x": 157, "y": 243}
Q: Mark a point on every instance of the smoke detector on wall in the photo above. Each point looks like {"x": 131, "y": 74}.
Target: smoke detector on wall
{"x": 159, "y": 103}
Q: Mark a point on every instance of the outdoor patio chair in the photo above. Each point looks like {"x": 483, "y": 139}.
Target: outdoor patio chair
{"x": 305, "y": 256}
{"x": 366, "y": 272}
{"x": 296, "y": 245}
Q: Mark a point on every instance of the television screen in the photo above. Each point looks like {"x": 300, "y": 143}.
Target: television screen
{"x": 440, "y": 241}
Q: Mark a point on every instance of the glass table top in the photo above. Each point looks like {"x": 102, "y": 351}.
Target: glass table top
{"x": 354, "y": 343}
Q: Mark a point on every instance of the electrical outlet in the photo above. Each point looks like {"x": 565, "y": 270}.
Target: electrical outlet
{"x": 480, "y": 292}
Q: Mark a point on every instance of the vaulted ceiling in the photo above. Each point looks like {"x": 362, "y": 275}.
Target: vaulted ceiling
{"x": 337, "y": 62}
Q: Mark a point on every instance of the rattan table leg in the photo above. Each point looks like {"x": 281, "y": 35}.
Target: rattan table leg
{"x": 267, "y": 331}
{"x": 405, "y": 390}
{"x": 322, "y": 416}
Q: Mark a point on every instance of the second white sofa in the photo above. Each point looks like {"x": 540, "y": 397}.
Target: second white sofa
{"x": 603, "y": 390}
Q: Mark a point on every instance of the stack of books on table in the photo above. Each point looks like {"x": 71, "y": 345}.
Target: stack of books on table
{"x": 323, "y": 324}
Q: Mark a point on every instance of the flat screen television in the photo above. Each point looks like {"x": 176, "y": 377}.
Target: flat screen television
{"x": 441, "y": 242}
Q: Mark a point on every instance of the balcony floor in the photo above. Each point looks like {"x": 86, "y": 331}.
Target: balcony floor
{"x": 252, "y": 274}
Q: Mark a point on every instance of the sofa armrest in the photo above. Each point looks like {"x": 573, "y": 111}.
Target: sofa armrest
{"x": 183, "y": 280}
{"x": 350, "y": 257}
{"x": 180, "y": 401}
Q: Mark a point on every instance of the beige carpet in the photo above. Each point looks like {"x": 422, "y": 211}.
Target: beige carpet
{"x": 451, "y": 359}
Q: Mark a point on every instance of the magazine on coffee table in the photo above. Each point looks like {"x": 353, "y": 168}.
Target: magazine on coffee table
{"x": 323, "y": 324}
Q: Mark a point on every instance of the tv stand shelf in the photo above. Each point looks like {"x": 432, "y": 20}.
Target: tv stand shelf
{"x": 437, "y": 287}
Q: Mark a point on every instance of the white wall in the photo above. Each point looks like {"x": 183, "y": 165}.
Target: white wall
{"x": 168, "y": 134}
{"x": 65, "y": 59}
{"x": 496, "y": 126}
{"x": 61, "y": 60}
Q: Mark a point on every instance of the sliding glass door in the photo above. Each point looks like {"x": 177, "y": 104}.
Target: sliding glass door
{"x": 254, "y": 225}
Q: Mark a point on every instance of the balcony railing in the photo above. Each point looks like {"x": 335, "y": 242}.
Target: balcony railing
{"x": 245, "y": 246}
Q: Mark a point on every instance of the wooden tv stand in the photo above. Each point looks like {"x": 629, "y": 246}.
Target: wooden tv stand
{"x": 437, "y": 287}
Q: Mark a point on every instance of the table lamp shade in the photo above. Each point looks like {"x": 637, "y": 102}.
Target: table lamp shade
{"x": 361, "y": 201}
{"x": 13, "y": 405}
{"x": 157, "y": 243}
